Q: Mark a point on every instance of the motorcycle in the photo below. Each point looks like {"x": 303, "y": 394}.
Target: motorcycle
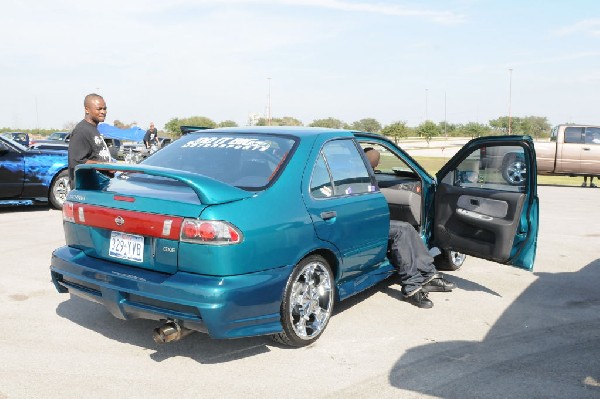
{"x": 137, "y": 156}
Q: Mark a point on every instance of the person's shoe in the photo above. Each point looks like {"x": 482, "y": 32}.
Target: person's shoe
{"x": 592, "y": 185}
{"x": 439, "y": 284}
{"x": 419, "y": 299}
{"x": 583, "y": 185}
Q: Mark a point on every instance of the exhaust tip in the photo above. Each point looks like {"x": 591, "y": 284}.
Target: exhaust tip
{"x": 168, "y": 332}
{"x": 171, "y": 331}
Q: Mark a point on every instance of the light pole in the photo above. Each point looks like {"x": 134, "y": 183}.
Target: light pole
{"x": 426, "y": 107}
{"x": 445, "y": 118}
{"x": 269, "y": 104}
{"x": 37, "y": 116}
{"x": 510, "y": 101}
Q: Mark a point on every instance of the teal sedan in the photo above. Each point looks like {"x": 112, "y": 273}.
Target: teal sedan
{"x": 240, "y": 232}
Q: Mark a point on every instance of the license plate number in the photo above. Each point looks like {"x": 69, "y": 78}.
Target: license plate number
{"x": 126, "y": 246}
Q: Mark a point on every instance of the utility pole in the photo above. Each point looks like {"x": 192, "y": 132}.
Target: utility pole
{"x": 510, "y": 101}
{"x": 445, "y": 117}
{"x": 426, "y": 107}
{"x": 269, "y": 104}
{"x": 37, "y": 116}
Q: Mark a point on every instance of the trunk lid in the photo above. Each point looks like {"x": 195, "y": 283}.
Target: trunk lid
{"x": 135, "y": 218}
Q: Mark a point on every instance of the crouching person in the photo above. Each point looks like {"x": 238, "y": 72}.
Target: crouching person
{"x": 418, "y": 276}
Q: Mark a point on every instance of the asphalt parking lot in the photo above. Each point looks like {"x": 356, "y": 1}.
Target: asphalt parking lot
{"x": 505, "y": 333}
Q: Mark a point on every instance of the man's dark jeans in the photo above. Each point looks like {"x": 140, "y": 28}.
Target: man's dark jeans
{"x": 408, "y": 254}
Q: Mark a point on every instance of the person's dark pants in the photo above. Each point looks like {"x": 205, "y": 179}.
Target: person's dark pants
{"x": 408, "y": 254}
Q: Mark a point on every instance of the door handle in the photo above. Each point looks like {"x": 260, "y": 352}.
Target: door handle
{"x": 328, "y": 215}
{"x": 586, "y": 148}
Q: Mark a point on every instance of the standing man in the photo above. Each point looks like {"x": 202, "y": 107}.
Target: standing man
{"x": 151, "y": 137}
{"x": 86, "y": 144}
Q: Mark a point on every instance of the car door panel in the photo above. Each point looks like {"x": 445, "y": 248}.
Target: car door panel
{"x": 12, "y": 171}
{"x": 346, "y": 208}
{"x": 479, "y": 222}
{"x": 479, "y": 211}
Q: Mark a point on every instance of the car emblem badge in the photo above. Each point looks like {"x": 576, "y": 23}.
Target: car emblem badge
{"x": 119, "y": 221}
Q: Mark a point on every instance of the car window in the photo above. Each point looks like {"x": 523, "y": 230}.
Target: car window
{"x": 248, "y": 161}
{"x": 592, "y": 135}
{"x": 573, "y": 134}
{"x": 500, "y": 168}
{"x": 340, "y": 170}
{"x": 320, "y": 183}
{"x": 389, "y": 162}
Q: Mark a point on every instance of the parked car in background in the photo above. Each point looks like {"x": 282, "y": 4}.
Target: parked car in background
{"x": 19, "y": 137}
{"x": 260, "y": 230}
{"x": 29, "y": 176}
{"x": 54, "y": 138}
{"x": 60, "y": 136}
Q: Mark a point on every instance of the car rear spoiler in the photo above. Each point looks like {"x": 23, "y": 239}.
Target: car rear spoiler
{"x": 208, "y": 190}
{"x": 188, "y": 129}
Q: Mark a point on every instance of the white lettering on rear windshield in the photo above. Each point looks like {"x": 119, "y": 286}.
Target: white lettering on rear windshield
{"x": 238, "y": 143}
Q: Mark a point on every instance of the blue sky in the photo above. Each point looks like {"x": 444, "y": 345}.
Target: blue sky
{"x": 347, "y": 59}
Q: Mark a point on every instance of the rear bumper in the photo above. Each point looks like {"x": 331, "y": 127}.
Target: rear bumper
{"x": 224, "y": 307}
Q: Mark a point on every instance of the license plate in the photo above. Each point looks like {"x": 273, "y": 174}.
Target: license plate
{"x": 126, "y": 246}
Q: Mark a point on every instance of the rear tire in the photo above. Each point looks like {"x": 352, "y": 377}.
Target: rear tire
{"x": 308, "y": 302}
{"x": 449, "y": 260}
{"x": 59, "y": 189}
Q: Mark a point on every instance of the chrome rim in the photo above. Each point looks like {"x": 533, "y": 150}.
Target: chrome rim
{"x": 60, "y": 189}
{"x": 311, "y": 300}
{"x": 516, "y": 172}
{"x": 457, "y": 258}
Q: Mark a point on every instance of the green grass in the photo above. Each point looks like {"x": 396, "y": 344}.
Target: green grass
{"x": 433, "y": 164}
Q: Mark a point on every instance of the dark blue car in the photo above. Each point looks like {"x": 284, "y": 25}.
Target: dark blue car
{"x": 249, "y": 231}
{"x": 29, "y": 176}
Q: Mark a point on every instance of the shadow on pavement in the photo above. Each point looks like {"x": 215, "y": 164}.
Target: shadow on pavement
{"x": 539, "y": 348}
{"x": 25, "y": 208}
{"x": 197, "y": 346}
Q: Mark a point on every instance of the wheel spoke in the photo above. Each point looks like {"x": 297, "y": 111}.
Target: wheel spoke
{"x": 300, "y": 327}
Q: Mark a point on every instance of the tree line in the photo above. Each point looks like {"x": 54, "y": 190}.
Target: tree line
{"x": 535, "y": 126}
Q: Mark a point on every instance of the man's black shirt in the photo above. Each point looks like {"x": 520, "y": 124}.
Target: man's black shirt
{"x": 85, "y": 143}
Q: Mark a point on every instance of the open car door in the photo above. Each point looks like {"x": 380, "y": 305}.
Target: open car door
{"x": 486, "y": 202}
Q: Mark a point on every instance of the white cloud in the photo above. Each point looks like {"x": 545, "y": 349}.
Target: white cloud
{"x": 589, "y": 27}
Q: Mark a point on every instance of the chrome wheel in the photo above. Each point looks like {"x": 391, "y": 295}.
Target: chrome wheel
{"x": 449, "y": 260}
{"x": 308, "y": 302}
{"x": 457, "y": 258}
{"x": 60, "y": 189}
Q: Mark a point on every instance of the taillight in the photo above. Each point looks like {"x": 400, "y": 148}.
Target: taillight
{"x": 68, "y": 213}
{"x": 215, "y": 232}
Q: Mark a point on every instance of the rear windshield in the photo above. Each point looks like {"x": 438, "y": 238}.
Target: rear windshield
{"x": 248, "y": 161}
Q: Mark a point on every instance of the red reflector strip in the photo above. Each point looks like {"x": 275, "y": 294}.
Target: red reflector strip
{"x": 122, "y": 198}
{"x": 146, "y": 224}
